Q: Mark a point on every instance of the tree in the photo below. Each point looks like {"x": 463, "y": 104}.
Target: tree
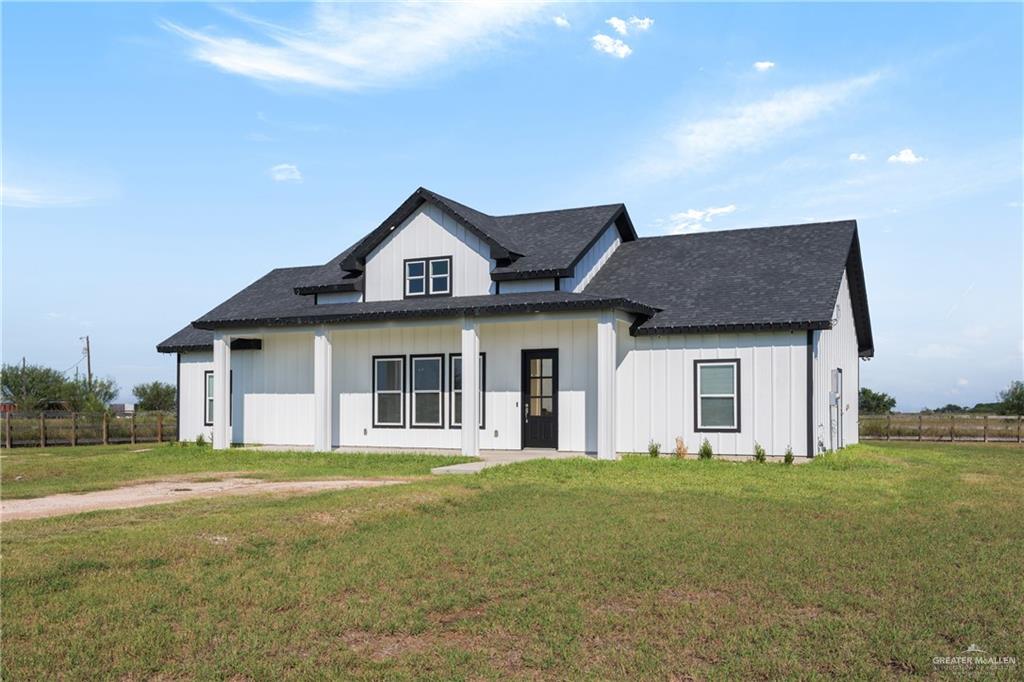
{"x": 951, "y": 408}
{"x": 876, "y": 403}
{"x": 155, "y": 396}
{"x": 31, "y": 387}
{"x": 79, "y": 396}
{"x": 1013, "y": 399}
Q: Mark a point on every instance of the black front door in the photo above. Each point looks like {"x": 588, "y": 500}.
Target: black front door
{"x": 540, "y": 398}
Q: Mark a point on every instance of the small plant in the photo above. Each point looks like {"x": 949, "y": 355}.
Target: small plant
{"x": 705, "y": 451}
{"x": 201, "y": 440}
{"x": 759, "y": 454}
{"x": 653, "y": 449}
{"x": 788, "y": 459}
{"x": 680, "y": 448}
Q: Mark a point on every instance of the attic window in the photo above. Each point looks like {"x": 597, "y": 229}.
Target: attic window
{"x": 428, "y": 277}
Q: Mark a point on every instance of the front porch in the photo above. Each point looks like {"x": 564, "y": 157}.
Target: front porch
{"x": 333, "y": 393}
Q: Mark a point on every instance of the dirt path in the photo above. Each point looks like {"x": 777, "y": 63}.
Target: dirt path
{"x": 163, "y": 492}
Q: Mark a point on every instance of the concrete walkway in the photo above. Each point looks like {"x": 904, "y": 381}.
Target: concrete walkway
{"x": 163, "y": 492}
{"x": 497, "y": 458}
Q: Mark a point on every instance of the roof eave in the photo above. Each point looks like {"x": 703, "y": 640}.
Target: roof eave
{"x": 490, "y": 310}
{"x": 739, "y": 327}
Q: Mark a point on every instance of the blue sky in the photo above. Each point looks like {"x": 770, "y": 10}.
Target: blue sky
{"x": 157, "y": 158}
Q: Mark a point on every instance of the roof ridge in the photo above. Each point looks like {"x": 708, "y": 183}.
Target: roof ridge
{"x": 559, "y": 210}
{"x": 734, "y": 230}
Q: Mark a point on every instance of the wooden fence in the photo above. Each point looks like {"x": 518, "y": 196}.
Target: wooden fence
{"x": 70, "y": 428}
{"x": 936, "y": 427}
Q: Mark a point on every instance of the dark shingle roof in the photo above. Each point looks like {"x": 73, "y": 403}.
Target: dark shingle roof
{"x": 784, "y": 277}
{"x": 186, "y": 339}
{"x": 285, "y": 312}
{"x": 779, "y": 277}
{"x": 553, "y": 241}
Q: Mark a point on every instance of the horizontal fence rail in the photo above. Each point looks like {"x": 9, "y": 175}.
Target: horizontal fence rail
{"x": 42, "y": 429}
{"x": 937, "y": 427}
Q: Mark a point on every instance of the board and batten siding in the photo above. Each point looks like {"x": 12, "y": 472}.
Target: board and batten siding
{"x": 272, "y": 391}
{"x": 524, "y": 286}
{"x": 836, "y": 348}
{"x": 428, "y": 232}
{"x": 593, "y": 259}
{"x": 191, "y": 395}
{"x": 502, "y": 343}
{"x": 655, "y": 386}
{"x": 339, "y": 297}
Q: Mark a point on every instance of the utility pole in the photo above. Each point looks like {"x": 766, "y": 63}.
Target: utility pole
{"x": 88, "y": 362}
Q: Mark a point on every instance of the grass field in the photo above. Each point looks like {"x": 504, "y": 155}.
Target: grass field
{"x": 33, "y": 472}
{"x": 866, "y": 563}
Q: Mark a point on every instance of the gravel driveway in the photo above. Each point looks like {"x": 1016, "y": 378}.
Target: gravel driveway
{"x": 163, "y": 492}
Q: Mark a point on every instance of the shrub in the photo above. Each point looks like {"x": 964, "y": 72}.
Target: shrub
{"x": 680, "y": 448}
{"x": 653, "y": 449}
{"x": 201, "y": 440}
{"x": 705, "y": 451}
{"x": 788, "y": 459}
{"x": 759, "y": 454}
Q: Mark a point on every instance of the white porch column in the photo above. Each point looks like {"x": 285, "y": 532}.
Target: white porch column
{"x": 221, "y": 391}
{"x": 470, "y": 387}
{"x": 322, "y": 390}
{"x": 607, "y": 413}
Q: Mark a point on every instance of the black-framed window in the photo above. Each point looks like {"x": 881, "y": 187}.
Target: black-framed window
{"x": 716, "y": 395}
{"x": 428, "y": 276}
{"x": 389, "y": 391}
{"x": 455, "y": 390}
{"x": 208, "y": 401}
{"x": 426, "y": 388}
{"x": 208, "y": 396}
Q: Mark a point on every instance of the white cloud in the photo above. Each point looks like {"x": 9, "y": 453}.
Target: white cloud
{"x": 962, "y": 382}
{"x": 857, "y": 156}
{"x": 26, "y": 197}
{"x": 561, "y": 21}
{"x": 641, "y": 24}
{"x": 906, "y": 156}
{"x": 622, "y": 26}
{"x": 618, "y": 25}
{"x": 612, "y": 46}
{"x": 694, "y": 219}
{"x": 285, "y": 172}
{"x": 352, "y": 47}
{"x": 691, "y": 144}
{"x": 764, "y": 66}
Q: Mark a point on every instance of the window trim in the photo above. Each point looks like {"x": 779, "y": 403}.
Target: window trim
{"x": 208, "y": 391}
{"x": 401, "y": 391}
{"x": 697, "y": 364}
{"x": 440, "y": 390}
{"x": 208, "y": 398}
{"x": 428, "y": 286}
{"x": 451, "y": 391}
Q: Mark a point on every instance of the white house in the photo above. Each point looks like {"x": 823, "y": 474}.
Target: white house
{"x": 586, "y": 338}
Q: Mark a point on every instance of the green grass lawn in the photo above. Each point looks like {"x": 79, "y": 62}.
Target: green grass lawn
{"x": 865, "y": 564}
{"x": 33, "y": 472}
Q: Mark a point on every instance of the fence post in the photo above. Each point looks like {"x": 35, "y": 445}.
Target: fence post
{"x": 984, "y": 429}
{"x": 74, "y": 429}
{"x": 106, "y": 428}
{"x": 952, "y": 428}
{"x": 1019, "y": 420}
{"x": 133, "y": 428}
{"x": 159, "y": 427}
{"x": 888, "y": 425}
{"x": 10, "y": 444}
{"x": 42, "y": 429}
{"x": 920, "y": 427}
